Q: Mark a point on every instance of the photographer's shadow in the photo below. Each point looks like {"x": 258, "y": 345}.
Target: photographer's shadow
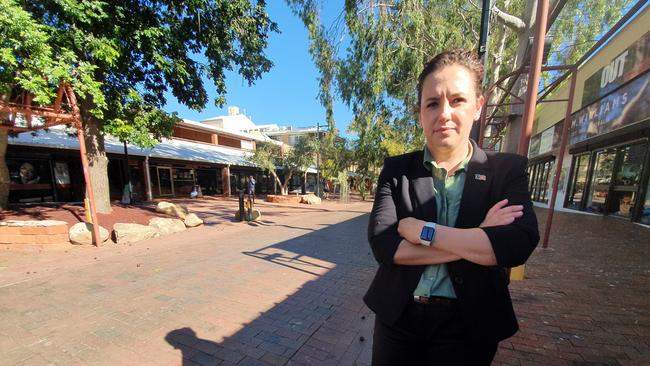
{"x": 194, "y": 350}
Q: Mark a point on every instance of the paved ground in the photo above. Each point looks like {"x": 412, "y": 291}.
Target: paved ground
{"x": 287, "y": 291}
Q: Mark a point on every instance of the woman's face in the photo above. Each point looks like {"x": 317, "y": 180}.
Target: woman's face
{"x": 448, "y": 107}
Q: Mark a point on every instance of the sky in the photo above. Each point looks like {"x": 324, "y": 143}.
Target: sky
{"x": 286, "y": 95}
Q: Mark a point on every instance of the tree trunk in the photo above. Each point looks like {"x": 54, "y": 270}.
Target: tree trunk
{"x": 287, "y": 180}
{"x": 283, "y": 189}
{"x": 98, "y": 163}
{"x": 304, "y": 183}
{"x": 4, "y": 171}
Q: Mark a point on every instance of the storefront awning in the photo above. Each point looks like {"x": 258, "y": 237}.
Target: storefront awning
{"x": 60, "y": 137}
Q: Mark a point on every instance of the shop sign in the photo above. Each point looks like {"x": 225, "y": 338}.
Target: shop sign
{"x": 623, "y": 68}
{"x": 626, "y": 106}
{"x": 247, "y": 145}
{"x": 546, "y": 141}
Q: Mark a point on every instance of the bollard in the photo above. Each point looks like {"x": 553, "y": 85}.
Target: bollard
{"x": 89, "y": 218}
{"x": 241, "y": 205}
{"x": 517, "y": 273}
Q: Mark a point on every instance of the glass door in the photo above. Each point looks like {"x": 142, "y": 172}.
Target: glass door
{"x": 627, "y": 177}
{"x": 165, "y": 182}
{"x": 578, "y": 181}
{"x": 601, "y": 181}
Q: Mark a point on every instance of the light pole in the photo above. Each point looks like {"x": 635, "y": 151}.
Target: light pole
{"x": 318, "y": 160}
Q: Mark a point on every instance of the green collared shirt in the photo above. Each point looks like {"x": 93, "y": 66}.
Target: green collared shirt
{"x": 448, "y": 191}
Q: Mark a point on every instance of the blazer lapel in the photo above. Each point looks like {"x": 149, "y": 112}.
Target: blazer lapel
{"x": 424, "y": 200}
{"x": 475, "y": 191}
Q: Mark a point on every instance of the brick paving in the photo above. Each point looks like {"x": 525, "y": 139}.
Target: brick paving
{"x": 287, "y": 291}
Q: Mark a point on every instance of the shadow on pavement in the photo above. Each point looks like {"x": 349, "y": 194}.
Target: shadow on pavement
{"x": 583, "y": 302}
{"x": 324, "y": 322}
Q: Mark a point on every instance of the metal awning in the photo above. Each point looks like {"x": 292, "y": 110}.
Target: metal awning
{"x": 60, "y": 137}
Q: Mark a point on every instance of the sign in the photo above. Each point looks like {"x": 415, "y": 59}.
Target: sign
{"x": 247, "y": 145}
{"x": 61, "y": 173}
{"x": 546, "y": 141}
{"x": 625, "y": 106}
{"x": 624, "y": 67}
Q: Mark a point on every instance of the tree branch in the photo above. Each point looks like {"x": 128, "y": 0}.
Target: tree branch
{"x": 509, "y": 20}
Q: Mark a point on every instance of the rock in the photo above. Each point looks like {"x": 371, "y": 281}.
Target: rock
{"x": 81, "y": 234}
{"x": 256, "y": 214}
{"x": 310, "y": 199}
{"x": 131, "y": 233}
{"x": 274, "y": 198}
{"x": 167, "y": 226}
{"x": 191, "y": 220}
{"x": 172, "y": 209}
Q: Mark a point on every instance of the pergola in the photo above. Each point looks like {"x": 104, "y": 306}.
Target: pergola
{"x": 65, "y": 110}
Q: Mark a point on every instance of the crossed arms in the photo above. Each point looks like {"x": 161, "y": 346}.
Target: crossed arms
{"x": 506, "y": 237}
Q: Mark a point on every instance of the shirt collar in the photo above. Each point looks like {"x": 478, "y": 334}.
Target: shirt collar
{"x": 430, "y": 163}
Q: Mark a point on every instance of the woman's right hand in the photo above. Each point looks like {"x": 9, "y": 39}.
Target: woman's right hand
{"x": 500, "y": 214}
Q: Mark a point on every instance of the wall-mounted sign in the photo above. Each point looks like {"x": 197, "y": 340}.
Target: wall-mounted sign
{"x": 623, "y": 68}
{"x": 625, "y": 106}
{"x": 546, "y": 141}
{"x": 247, "y": 145}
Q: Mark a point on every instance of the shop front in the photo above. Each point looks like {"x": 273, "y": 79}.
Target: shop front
{"x": 45, "y": 167}
{"x": 179, "y": 180}
{"x": 609, "y": 140}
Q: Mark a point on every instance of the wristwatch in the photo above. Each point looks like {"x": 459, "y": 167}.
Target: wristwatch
{"x": 428, "y": 233}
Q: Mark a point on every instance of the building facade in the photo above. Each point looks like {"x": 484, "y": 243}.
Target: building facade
{"x": 606, "y": 168}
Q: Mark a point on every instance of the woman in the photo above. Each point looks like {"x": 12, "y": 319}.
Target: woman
{"x": 445, "y": 223}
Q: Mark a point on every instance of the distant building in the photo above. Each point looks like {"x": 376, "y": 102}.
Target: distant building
{"x": 213, "y": 154}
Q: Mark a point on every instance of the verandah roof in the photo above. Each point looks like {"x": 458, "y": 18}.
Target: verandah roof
{"x": 58, "y": 137}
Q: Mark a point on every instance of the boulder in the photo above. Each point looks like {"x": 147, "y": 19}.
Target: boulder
{"x": 191, "y": 220}
{"x": 171, "y": 209}
{"x": 256, "y": 214}
{"x": 274, "y": 198}
{"x": 131, "y": 233}
{"x": 167, "y": 226}
{"x": 311, "y": 199}
{"x": 81, "y": 233}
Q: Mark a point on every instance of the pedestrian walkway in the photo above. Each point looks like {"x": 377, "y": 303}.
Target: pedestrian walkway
{"x": 287, "y": 291}
{"x": 584, "y": 300}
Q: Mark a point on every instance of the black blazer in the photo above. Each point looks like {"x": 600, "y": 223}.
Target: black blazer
{"x": 405, "y": 189}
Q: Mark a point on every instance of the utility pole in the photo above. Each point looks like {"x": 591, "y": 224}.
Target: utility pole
{"x": 318, "y": 160}
{"x": 475, "y": 134}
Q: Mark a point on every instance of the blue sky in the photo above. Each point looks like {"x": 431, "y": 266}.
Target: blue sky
{"x": 288, "y": 93}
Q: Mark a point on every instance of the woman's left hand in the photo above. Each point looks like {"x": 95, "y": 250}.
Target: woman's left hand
{"x": 410, "y": 228}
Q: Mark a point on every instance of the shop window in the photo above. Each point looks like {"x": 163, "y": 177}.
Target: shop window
{"x": 30, "y": 180}
{"x": 644, "y": 217}
{"x": 183, "y": 181}
{"x": 599, "y": 189}
{"x": 539, "y": 180}
{"x": 627, "y": 177}
{"x": 578, "y": 181}
{"x": 209, "y": 180}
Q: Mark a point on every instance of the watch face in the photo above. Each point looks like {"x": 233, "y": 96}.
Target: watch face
{"x": 427, "y": 233}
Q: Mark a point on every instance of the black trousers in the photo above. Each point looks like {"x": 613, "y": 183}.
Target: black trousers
{"x": 431, "y": 334}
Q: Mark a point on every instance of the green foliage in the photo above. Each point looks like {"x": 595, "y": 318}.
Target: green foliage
{"x": 388, "y": 43}
{"x": 122, "y": 56}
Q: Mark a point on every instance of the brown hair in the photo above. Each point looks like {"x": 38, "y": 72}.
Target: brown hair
{"x": 459, "y": 57}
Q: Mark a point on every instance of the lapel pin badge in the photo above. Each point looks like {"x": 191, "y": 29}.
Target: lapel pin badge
{"x": 480, "y": 177}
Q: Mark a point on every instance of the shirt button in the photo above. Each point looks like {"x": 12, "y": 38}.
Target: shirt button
{"x": 458, "y": 280}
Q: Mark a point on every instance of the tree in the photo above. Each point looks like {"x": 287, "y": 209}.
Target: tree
{"x": 387, "y": 43}
{"x": 122, "y": 56}
{"x": 274, "y": 157}
{"x": 303, "y": 156}
{"x": 336, "y": 156}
